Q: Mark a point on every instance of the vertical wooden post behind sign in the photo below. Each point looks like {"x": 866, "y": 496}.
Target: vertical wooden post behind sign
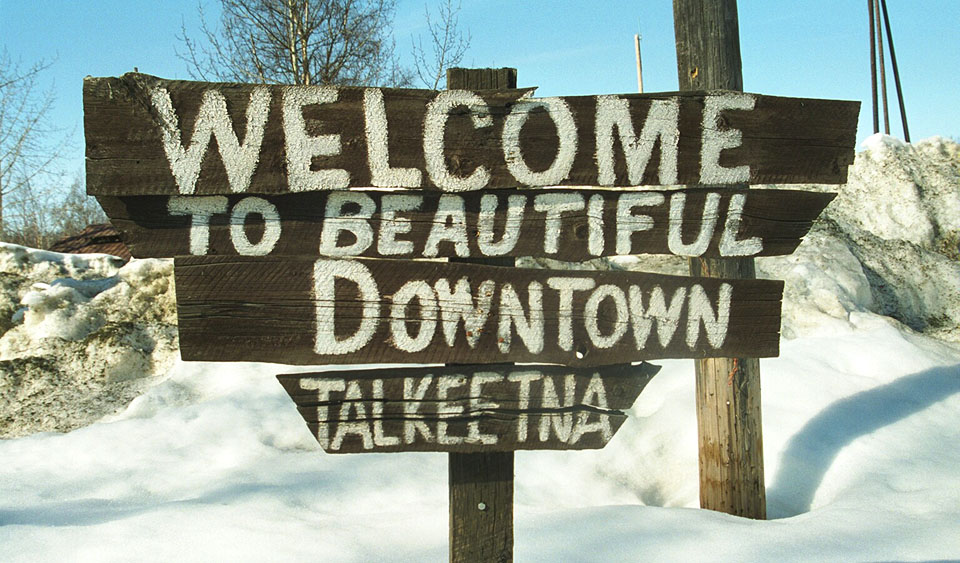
{"x": 481, "y": 484}
{"x": 728, "y": 389}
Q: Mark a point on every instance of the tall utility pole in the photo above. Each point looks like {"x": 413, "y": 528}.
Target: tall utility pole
{"x": 728, "y": 389}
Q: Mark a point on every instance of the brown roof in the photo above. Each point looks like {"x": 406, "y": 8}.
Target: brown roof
{"x": 100, "y": 238}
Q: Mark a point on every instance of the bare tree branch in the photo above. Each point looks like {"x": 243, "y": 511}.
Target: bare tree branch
{"x": 346, "y": 42}
{"x": 29, "y": 146}
{"x": 446, "y": 48}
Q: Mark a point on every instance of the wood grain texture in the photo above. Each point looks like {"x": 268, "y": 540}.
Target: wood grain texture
{"x": 480, "y": 485}
{"x": 466, "y": 408}
{"x": 267, "y": 308}
{"x": 729, "y": 421}
{"x": 784, "y": 140}
{"x": 779, "y": 218}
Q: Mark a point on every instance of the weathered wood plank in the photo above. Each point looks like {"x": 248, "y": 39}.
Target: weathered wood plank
{"x": 466, "y": 408}
{"x": 303, "y": 311}
{"x": 571, "y": 225}
{"x": 146, "y": 135}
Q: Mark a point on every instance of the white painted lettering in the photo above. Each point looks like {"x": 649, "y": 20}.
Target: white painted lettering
{"x": 662, "y": 122}
{"x": 529, "y": 328}
{"x": 566, "y": 287}
{"x": 434, "y": 125}
{"x": 702, "y": 310}
{"x": 478, "y": 405}
{"x": 239, "y": 160}
{"x": 337, "y": 220}
{"x": 200, "y": 210}
{"x": 391, "y": 225}
{"x": 595, "y": 240}
{"x": 323, "y": 387}
{"x": 446, "y": 409}
{"x": 554, "y": 205}
{"x": 379, "y": 438}
{"x": 413, "y": 394}
{"x": 301, "y": 148}
{"x": 729, "y": 245}
{"x": 595, "y": 395}
{"x": 325, "y": 274}
{"x": 360, "y": 426}
{"x": 271, "y": 226}
{"x": 591, "y": 316}
{"x": 628, "y": 223}
{"x": 714, "y": 140}
{"x": 378, "y": 153}
{"x": 516, "y": 206}
{"x": 708, "y": 224}
{"x": 459, "y": 305}
{"x": 667, "y": 318}
{"x": 449, "y": 224}
{"x": 524, "y": 378}
{"x": 562, "y": 117}
{"x": 402, "y": 340}
{"x": 562, "y": 423}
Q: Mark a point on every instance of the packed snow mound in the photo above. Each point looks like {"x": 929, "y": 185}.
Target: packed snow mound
{"x": 887, "y": 244}
{"x": 899, "y": 215}
{"x": 82, "y": 336}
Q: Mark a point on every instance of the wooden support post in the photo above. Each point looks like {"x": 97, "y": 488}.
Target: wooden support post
{"x": 481, "y": 484}
{"x": 728, "y": 389}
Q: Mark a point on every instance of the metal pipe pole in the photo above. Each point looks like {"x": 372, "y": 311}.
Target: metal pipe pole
{"x": 636, "y": 42}
{"x": 883, "y": 74}
{"x": 896, "y": 72}
{"x": 873, "y": 67}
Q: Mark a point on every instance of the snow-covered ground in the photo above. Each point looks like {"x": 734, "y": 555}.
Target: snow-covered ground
{"x": 861, "y": 421}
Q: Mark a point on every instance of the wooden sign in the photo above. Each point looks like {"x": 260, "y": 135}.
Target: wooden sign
{"x": 467, "y": 408}
{"x": 299, "y": 310}
{"x": 148, "y": 136}
{"x": 570, "y": 225}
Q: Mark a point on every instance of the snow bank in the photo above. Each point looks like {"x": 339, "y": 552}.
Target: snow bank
{"x": 899, "y": 217}
{"x": 82, "y": 336}
{"x": 215, "y": 463}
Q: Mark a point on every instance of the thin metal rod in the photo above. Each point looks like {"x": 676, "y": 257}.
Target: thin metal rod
{"x": 883, "y": 74}
{"x": 873, "y": 67}
{"x": 896, "y": 72}
{"x": 636, "y": 42}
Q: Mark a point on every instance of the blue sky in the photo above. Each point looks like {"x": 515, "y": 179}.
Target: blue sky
{"x": 801, "y": 48}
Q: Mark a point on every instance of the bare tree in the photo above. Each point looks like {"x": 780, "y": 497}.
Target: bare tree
{"x": 345, "y": 42}
{"x": 447, "y": 45}
{"x": 40, "y": 216}
{"x": 29, "y": 146}
{"x": 75, "y": 210}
